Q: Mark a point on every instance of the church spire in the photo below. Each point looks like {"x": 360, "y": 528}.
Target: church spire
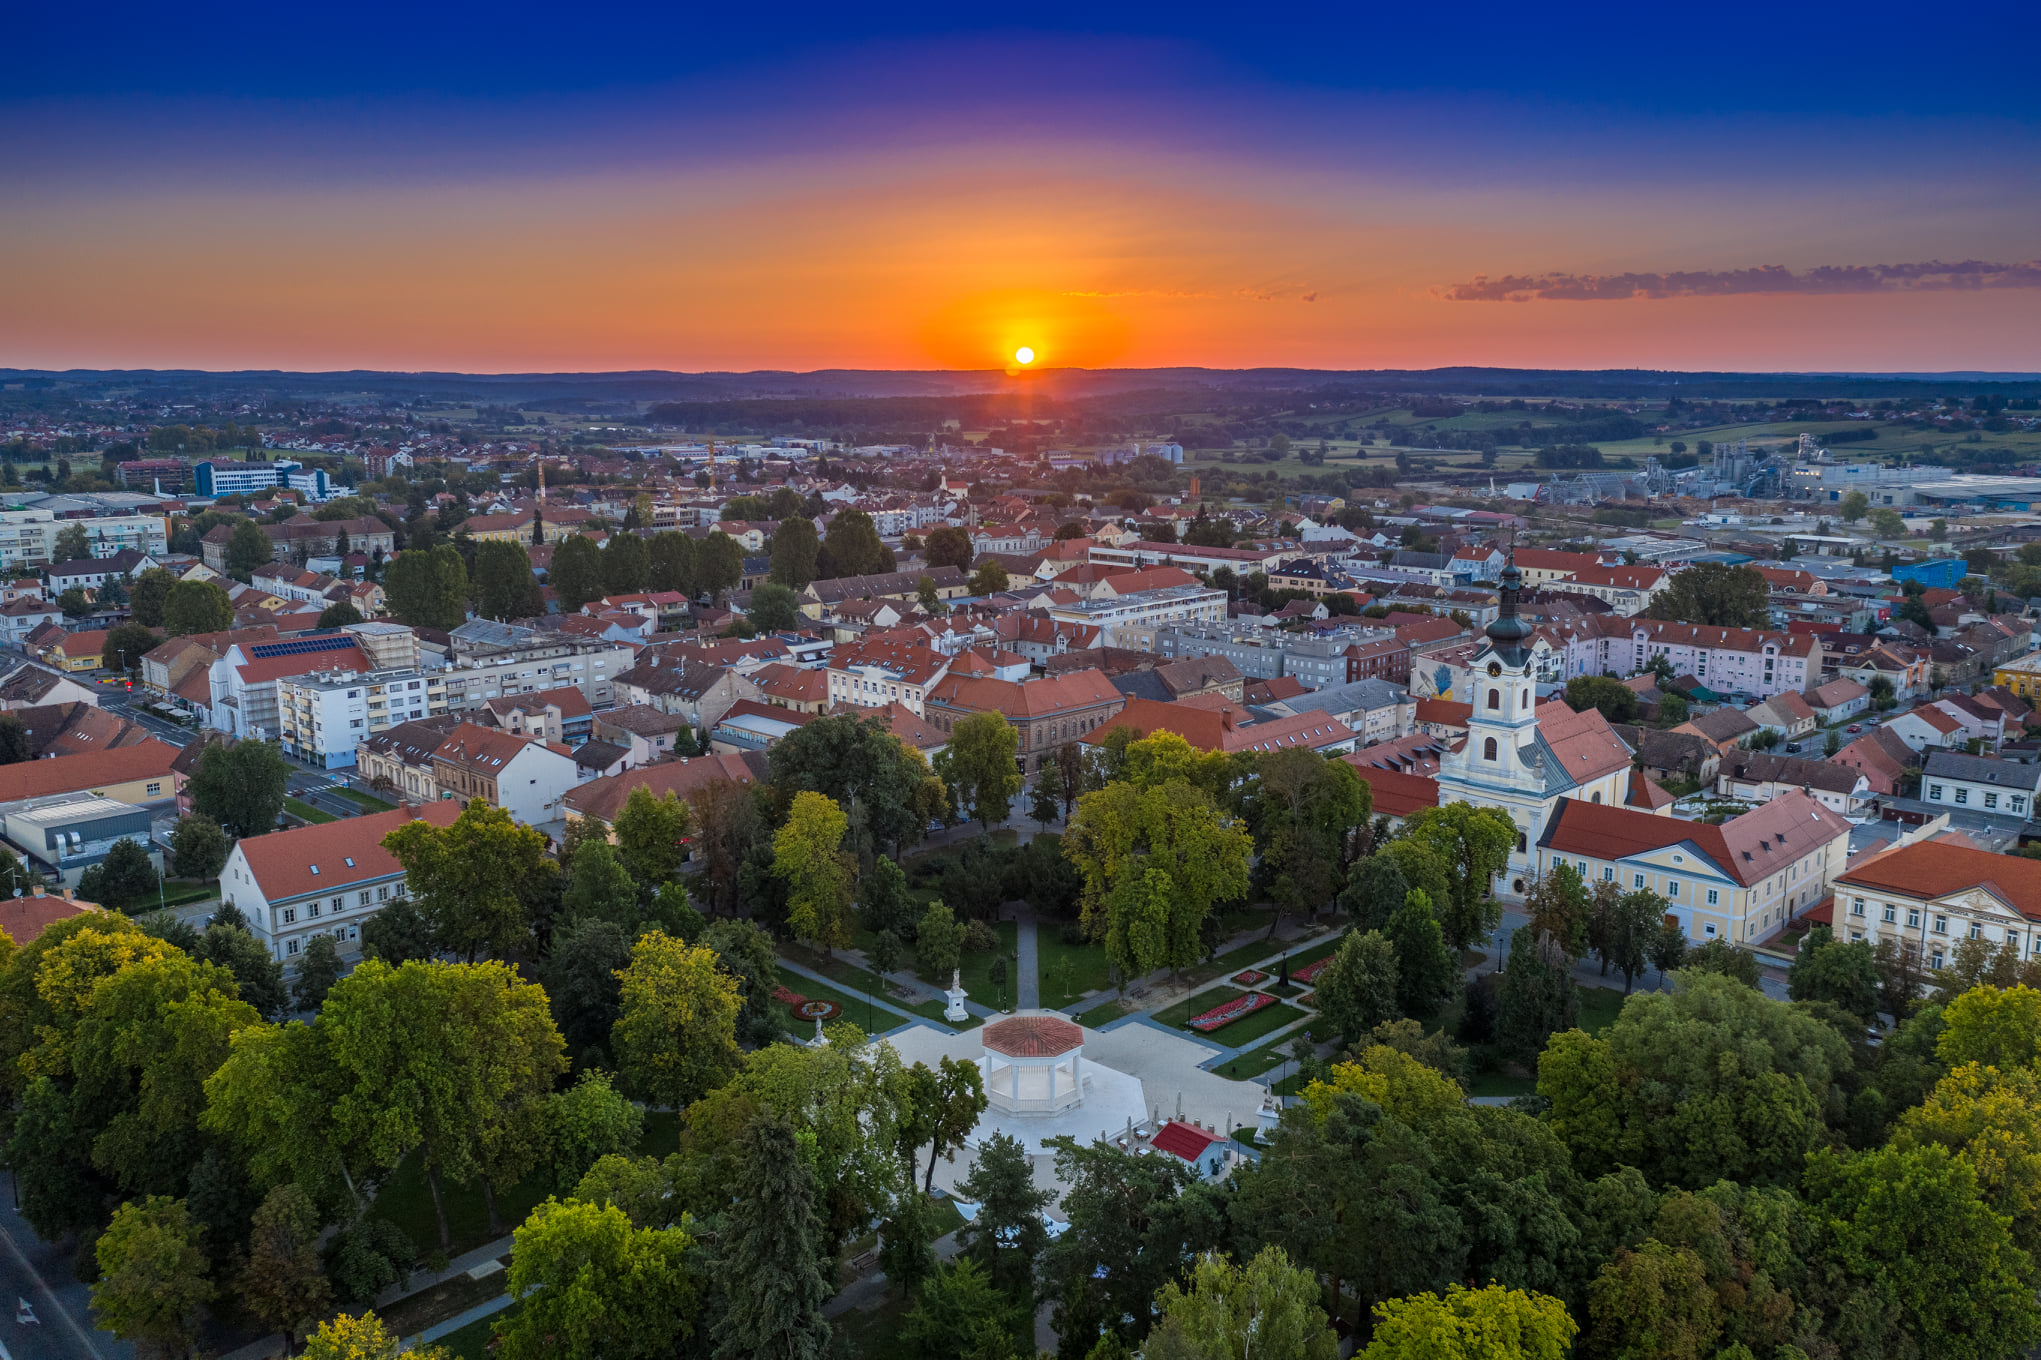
{"x": 1506, "y": 635}
{"x": 539, "y": 510}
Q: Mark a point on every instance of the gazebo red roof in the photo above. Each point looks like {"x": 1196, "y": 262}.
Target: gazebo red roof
{"x": 1033, "y": 1036}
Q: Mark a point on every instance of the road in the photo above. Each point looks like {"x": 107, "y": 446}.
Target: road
{"x": 41, "y": 1273}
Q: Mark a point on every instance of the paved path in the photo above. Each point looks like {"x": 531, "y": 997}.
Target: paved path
{"x": 1027, "y": 979}
{"x": 40, "y": 1272}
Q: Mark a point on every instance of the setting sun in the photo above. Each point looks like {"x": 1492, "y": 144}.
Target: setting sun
{"x": 1023, "y": 356}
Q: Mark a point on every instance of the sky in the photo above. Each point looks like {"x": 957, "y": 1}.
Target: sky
{"x": 517, "y": 188}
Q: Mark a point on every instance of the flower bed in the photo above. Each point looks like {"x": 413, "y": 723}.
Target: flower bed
{"x": 1303, "y": 976}
{"x": 1252, "y": 977}
{"x": 1304, "y": 1000}
{"x": 787, "y": 996}
{"x": 818, "y": 1010}
{"x": 1231, "y": 1011}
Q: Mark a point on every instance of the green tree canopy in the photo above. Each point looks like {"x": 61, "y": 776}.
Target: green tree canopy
{"x": 1715, "y": 594}
{"x": 1473, "y": 846}
{"x": 595, "y": 1285}
{"x": 576, "y": 574}
{"x": 1266, "y": 1307}
{"x": 503, "y": 584}
{"x": 979, "y": 765}
{"x": 470, "y": 877}
{"x": 676, "y": 1037}
{"x": 428, "y": 587}
{"x": 197, "y": 607}
{"x": 794, "y": 551}
{"x": 241, "y": 787}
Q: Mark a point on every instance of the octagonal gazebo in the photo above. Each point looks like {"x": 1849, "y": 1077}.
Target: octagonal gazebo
{"x": 1033, "y": 1063}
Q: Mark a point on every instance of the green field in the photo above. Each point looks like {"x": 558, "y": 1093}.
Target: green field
{"x": 406, "y": 1200}
{"x": 369, "y": 801}
{"x": 1068, "y": 971}
{"x": 472, "y": 1341}
{"x": 1103, "y": 1014}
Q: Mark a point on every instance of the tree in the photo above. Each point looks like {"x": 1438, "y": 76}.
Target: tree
{"x": 1911, "y": 1225}
{"x": 1673, "y": 710}
{"x": 672, "y": 563}
{"x": 576, "y": 574}
{"x": 1853, "y": 507}
{"x": 152, "y": 1287}
{"x": 1375, "y": 891}
{"x": 959, "y": 1313}
{"x": 1426, "y": 971}
{"x": 979, "y": 765}
{"x": 339, "y": 615}
{"x": 1668, "y": 948}
{"x": 197, "y": 607}
{"x": 248, "y": 549}
{"x": 852, "y": 546}
{"x": 503, "y": 583}
{"x": 960, "y": 1101}
{"x": 772, "y": 1249}
{"x": 1888, "y": 523}
{"x": 938, "y": 941}
{"x": 1154, "y": 861}
{"x": 719, "y": 564}
{"x": 1938, "y": 529}
{"x": 1883, "y": 695}
{"x": 1991, "y": 1120}
{"x": 469, "y": 877}
{"x": 361, "y": 1338}
{"x": 1358, "y": 988}
{"x": 1559, "y": 906}
{"x": 1715, "y": 594}
{"x": 1993, "y": 1027}
{"x": 581, "y": 977}
{"x": 428, "y": 587}
{"x": 1623, "y": 926}
{"x": 1724, "y": 958}
{"x": 677, "y": 1035}
{"x": 1472, "y": 1324}
{"x": 808, "y": 857}
{"x": 930, "y": 597}
{"x": 1043, "y": 799}
{"x": 453, "y": 1061}
{"x": 883, "y": 904}
{"x": 593, "y": 1284}
{"x": 124, "y": 881}
{"x": 241, "y": 787}
{"x": 281, "y": 1284}
{"x": 1655, "y": 1301}
{"x": 626, "y": 564}
{"x": 74, "y": 603}
{"x": 1831, "y": 743}
{"x": 15, "y": 743}
{"x": 397, "y": 933}
{"x": 747, "y": 953}
{"x": 1827, "y": 969}
{"x": 1473, "y": 845}
{"x": 233, "y": 946}
{"x": 651, "y": 833}
{"x": 1615, "y": 700}
{"x": 774, "y": 608}
{"x": 950, "y": 546}
{"x": 319, "y": 968}
{"x": 73, "y": 543}
{"x": 125, "y": 645}
{"x": 1301, "y": 809}
{"x": 1267, "y": 1307}
{"x": 859, "y": 763}
{"x": 794, "y": 549}
{"x": 989, "y": 579}
{"x": 1007, "y": 1234}
{"x": 599, "y": 888}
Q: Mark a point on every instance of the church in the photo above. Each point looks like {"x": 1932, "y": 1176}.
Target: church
{"x": 1523, "y": 756}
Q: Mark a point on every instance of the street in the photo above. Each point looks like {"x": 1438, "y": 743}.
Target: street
{"x": 40, "y": 1272}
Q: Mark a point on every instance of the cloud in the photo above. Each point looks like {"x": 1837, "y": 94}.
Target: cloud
{"x": 1928, "y": 276}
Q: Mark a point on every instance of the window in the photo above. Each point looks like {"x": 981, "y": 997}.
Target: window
{"x": 383, "y": 893}
{"x": 1608, "y": 873}
{"x": 1707, "y": 930}
{"x": 1714, "y": 898}
{"x": 1888, "y": 917}
{"x": 1580, "y": 867}
{"x": 1935, "y": 959}
{"x": 1941, "y": 925}
{"x": 1991, "y": 800}
{"x": 1963, "y": 795}
{"x": 1495, "y": 698}
{"x": 289, "y": 914}
{"x": 1913, "y": 918}
{"x": 2018, "y": 802}
{"x": 1976, "y": 931}
{"x": 1934, "y": 793}
{"x": 1488, "y": 749}
{"x": 1637, "y": 880}
{"x": 1672, "y": 887}
{"x": 291, "y": 947}
{"x": 1856, "y": 906}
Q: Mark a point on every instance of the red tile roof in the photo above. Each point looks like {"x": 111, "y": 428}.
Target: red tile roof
{"x": 1396, "y": 794}
{"x": 1026, "y": 698}
{"x": 1184, "y": 1140}
{"x": 1032, "y": 1036}
{"x": 265, "y": 669}
{"x": 148, "y": 759}
{"x": 1936, "y": 868}
{"x": 25, "y": 918}
{"x": 332, "y": 856}
{"x": 604, "y": 798}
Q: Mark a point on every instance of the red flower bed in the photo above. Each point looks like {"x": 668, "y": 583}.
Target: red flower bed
{"x": 1253, "y": 977}
{"x": 787, "y": 996}
{"x": 1305, "y": 1000}
{"x": 1231, "y": 1011}
{"x": 1303, "y": 976}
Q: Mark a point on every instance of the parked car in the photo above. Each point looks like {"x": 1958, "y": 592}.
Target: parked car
{"x": 1856, "y": 727}
{"x": 1792, "y": 748}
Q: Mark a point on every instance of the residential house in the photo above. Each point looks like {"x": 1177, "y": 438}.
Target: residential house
{"x": 1983, "y": 722}
{"x": 1980, "y": 783}
{"x": 1725, "y": 729}
{"x": 1380, "y": 659}
{"x": 697, "y": 693}
{"x": 523, "y": 775}
{"x": 873, "y": 674}
{"x": 329, "y": 878}
{"x": 555, "y": 715}
{"x": 398, "y": 760}
{"x": 1787, "y": 713}
{"x": 1759, "y": 777}
{"x": 140, "y": 773}
{"x": 1926, "y": 727}
{"x": 1229, "y": 728}
{"x": 23, "y": 616}
{"x": 600, "y": 800}
{"x": 78, "y": 651}
{"x": 1376, "y": 709}
{"x": 1838, "y": 701}
{"x": 649, "y": 734}
{"x": 30, "y": 686}
{"x": 1627, "y": 590}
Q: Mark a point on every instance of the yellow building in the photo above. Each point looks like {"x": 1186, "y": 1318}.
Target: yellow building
{"x": 2022, "y": 676}
{"x": 79, "y": 651}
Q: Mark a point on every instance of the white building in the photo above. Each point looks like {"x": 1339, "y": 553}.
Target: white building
{"x": 1980, "y": 783}
{"x": 323, "y": 716}
{"x": 28, "y": 538}
{"x": 320, "y": 880}
{"x": 1118, "y": 617}
{"x": 1927, "y": 895}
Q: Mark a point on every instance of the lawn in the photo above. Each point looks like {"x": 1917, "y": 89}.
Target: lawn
{"x": 977, "y": 968}
{"x": 1599, "y": 1007}
{"x": 472, "y": 1341}
{"x": 1103, "y": 1014}
{"x": 1068, "y": 971}
{"x": 369, "y": 801}
{"x": 1264, "y": 1059}
{"x": 305, "y": 812}
{"x": 1502, "y": 1084}
{"x": 406, "y": 1200}
{"x": 855, "y": 1007}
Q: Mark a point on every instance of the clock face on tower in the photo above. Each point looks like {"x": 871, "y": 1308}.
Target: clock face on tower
{"x": 1494, "y": 669}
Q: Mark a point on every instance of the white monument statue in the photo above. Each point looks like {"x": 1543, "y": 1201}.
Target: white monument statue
{"x": 956, "y": 1011}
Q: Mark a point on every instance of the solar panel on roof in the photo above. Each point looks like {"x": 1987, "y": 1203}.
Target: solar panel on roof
{"x": 301, "y": 646}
